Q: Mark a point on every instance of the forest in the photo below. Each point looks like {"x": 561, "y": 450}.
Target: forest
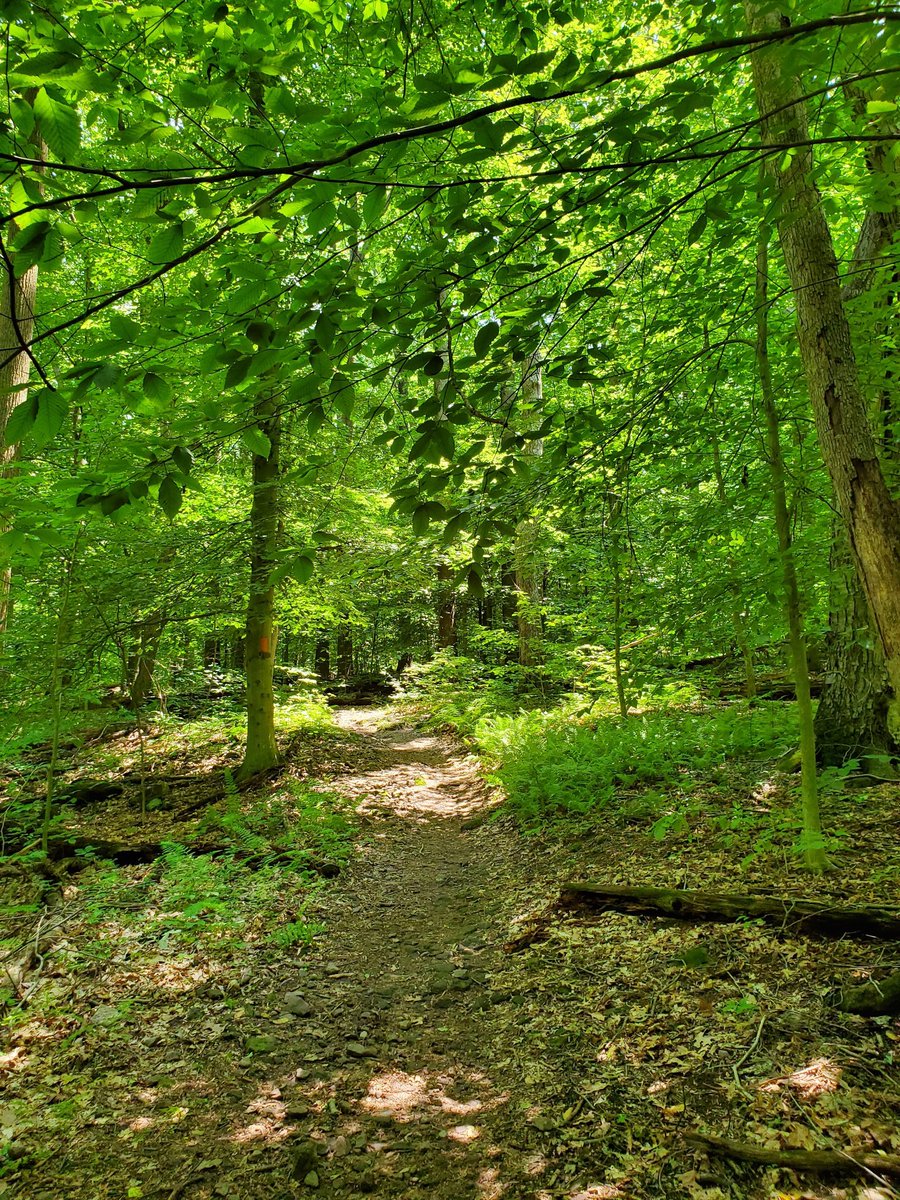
{"x": 449, "y": 600}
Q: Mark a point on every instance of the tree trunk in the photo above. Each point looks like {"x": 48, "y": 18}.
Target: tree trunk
{"x": 142, "y": 667}
{"x": 19, "y": 292}
{"x": 813, "y": 847}
{"x": 322, "y": 659}
{"x": 446, "y": 609}
{"x": 529, "y": 570}
{"x": 259, "y": 650}
{"x": 15, "y": 369}
{"x": 852, "y": 717}
{"x": 344, "y": 652}
{"x": 847, "y": 442}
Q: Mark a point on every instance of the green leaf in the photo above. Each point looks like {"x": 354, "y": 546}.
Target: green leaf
{"x": 30, "y": 242}
{"x": 51, "y": 412}
{"x": 170, "y": 496}
{"x": 374, "y": 205}
{"x": 421, "y": 519}
{"x": 59, "y": 124}
{"x": 696, "y": 230}
{"x": 484, "y": 337}
{"x": 876, "y": 107}
{"x": 256, "y": 441}
{"x": 302, "y": 568}
{"x": 167, "y": 243}
{"x": 123, "y": 327}
{"x": 21, "y": 420}
{"x": 156, "y": 388}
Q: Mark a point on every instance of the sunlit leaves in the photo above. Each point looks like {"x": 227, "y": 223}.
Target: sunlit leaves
{"x": 256, "y": 441}
{"x": 156, "y": 388}
{"x": 59, "y": 125}
{"x": 167, "y": 243}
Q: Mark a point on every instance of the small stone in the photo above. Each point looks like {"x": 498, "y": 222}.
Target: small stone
{"x": 301, "y": 1073}
{"x": 311, "y": 1179}
{"x": 262, "y": 1044}
{"x": 358, "y": 1050}
{"x": 460, "y": 973}
{"x": 306, "y": 1156}
{"x": 340, "y": 1146}
{"x": 246, "y": 1061}
{"x": 295, "y": 1110}
{"x": 297, "y": 1005}
{"x": 105, "y": 1014}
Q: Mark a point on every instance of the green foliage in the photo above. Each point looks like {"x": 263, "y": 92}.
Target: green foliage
{"x": 552, "y": 765}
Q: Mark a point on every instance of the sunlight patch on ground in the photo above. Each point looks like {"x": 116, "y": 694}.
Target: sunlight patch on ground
{"x": 809, "y": 1082}
{"x": 464, "y": 1134}
{"x": 398, "y": 1096}
{"x": 269, "y": 1111}
{"x": 600, "y": 1191}
{"x": 489, "y": 1185}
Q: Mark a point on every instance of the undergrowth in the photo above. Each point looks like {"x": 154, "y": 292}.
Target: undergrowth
{"x": 571, "y": 756}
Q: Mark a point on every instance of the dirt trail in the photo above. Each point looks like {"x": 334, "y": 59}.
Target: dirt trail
{"x": 407, "y": 1056}
{"x": 424, "y": 1106}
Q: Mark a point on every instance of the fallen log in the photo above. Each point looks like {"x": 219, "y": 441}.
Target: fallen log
{"x": 877, "y": 998}
{"x": 827, "y": 1161}
{"x": 66, "y": 847}
{"x": 787, "y": 912}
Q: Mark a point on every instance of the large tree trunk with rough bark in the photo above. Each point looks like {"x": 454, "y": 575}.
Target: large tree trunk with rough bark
{"x": 852, "y": 717}
{"x": 259, "y": 651}
{"x": 846, "y": 438}
{"x": 16, "y": 331}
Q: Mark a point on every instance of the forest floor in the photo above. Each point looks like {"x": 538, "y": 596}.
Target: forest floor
{"x": 406, "y": 1053}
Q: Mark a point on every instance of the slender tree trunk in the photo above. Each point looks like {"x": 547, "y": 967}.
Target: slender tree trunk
{"x": 142, "y": 668}
{"x": 344, "y": 652}
{"x": 259, "y": 650}
{"x": 529, "y": 569}
{"x": 733, "y": 583}
{"x": 848, "y": 445}
{"x": 446, "y": 607}
{"x": 814, "y": 853}
{"x": 322, "y": 659}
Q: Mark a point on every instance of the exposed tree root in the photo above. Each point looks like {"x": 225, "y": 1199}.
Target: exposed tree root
{"x": 830, "y": 1161}
{"x": 874, "y": 999}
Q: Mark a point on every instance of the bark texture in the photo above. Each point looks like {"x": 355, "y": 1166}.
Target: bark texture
{"x": 261, "y": 752}
{"x": 845, "y": 435}
{"x": 788, "y": 912}
{"x": 529, "y": 570}
{"x": 16, "y": 330}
